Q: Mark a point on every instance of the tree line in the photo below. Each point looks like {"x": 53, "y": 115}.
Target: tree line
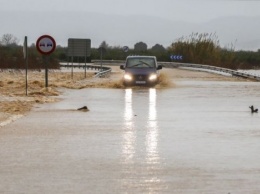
{"x": 196, "y": 48}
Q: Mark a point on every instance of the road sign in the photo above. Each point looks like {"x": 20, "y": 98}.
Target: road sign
{"x": 45, "y": 44}
{"x": 79, "y": 47}
{"x": 125, "y": 49}
{"x": 176, "y": 57}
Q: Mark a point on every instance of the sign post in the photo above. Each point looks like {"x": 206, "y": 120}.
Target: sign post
{"x": 102, "y": 52}
{"x": 25, "y": 54}
{"x": 125, "y": 50}
{"x": 78, "y": 47}
{"x": 45, "y": 45}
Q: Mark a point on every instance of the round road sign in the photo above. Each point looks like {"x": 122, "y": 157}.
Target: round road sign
{"x": 125, "y": 49}
{"x": 45, "y": 44}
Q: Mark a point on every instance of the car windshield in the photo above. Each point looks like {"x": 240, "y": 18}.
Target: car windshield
{"x": 140, "y": 62}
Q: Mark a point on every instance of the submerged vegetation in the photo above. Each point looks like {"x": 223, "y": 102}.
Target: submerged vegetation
{"x": 197, "y": 48}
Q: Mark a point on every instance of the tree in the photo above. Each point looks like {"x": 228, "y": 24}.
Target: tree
{"x": 158, "y": 48}
{"x": 9, "y": 40}
{"x": 33, "y": 45}
{"x": 140, "y": 46}
{"x": 198, "y": 48}
{"x": 104, "y": 45}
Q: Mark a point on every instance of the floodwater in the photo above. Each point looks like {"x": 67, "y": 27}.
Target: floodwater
{"x": 197, "y": 137}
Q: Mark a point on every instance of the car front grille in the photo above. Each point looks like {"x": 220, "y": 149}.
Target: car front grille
{"x": 141, "y": 77}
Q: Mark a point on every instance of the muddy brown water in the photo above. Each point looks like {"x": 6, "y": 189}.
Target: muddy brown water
{"x": 197, "y": 137}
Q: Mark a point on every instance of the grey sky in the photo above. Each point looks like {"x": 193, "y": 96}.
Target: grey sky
{"x": 187, "y": 11}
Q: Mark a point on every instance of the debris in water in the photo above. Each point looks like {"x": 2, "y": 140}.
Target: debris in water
{"x": 84, "y": 108}
{"x": 253, "y": 110}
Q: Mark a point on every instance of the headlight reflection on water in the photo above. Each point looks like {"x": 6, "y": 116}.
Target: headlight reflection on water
{"x": 150, "y": 143}
{"x": 129, "y": 135}
{"x": 140, "y": 155}
{"x": 152, "y": 130}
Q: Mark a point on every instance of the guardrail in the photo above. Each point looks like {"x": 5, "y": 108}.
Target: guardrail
{"x": 109, "y": 62}
{"x": 194, "y": 66}
{"x": 211, "y": 68}
{"x": 104, "y": 70}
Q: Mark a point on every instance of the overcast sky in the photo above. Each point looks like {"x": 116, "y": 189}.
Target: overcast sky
{"x": 191, "y": 11}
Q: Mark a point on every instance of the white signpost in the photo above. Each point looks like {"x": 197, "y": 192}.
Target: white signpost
{"x": 46, "y": 45}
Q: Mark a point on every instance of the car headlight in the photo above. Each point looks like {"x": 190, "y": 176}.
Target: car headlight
{"x": 128, "y": 77}
{"x": 152, "y": 77}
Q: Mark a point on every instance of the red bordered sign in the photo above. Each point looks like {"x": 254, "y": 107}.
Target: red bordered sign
{"x": 45, "y": 44}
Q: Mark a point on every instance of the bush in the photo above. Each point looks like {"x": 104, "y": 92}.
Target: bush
{"x": 203, "y": 49}
{"x": 12, "y": 57}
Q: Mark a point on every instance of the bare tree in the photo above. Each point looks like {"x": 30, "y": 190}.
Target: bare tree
{"x": 9, "y": 40}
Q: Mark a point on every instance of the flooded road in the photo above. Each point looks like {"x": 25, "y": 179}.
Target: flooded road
{"x": 197, "y": 137}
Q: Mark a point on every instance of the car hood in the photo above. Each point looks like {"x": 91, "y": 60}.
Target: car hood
{"x": 142, "y": 71}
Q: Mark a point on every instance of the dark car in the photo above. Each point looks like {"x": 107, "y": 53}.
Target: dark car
{"x": 141, "y": 70}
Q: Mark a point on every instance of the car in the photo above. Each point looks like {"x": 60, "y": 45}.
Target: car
{"x": 140, "y": 71}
